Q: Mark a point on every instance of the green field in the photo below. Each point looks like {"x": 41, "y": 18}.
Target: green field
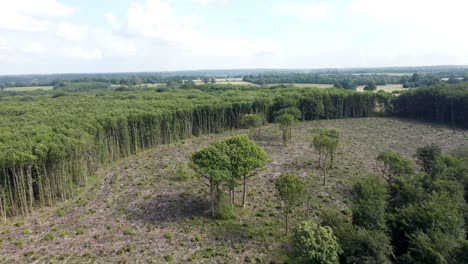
{"x": 29, "y": 88}
{"x": 387, "y": 88}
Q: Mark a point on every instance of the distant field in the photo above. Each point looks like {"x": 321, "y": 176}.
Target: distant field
{"x": 234, "y": 81}
{"x": 30, "y": 88}
{"x": 387, "y": 88}
{"x": 317, "y": 85}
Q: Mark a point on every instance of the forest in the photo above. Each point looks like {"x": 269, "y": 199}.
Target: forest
{"x": 413, "y": 211}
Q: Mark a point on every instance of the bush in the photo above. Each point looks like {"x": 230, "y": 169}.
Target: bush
{"x": 315, "y": 244}
{"x": 224, "y": 209}
{"x": 363, "y": 246}
{"x": 182, "y": 173}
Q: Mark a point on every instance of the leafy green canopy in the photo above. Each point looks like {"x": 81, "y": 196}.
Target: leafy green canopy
{"x": 315, "y": 244}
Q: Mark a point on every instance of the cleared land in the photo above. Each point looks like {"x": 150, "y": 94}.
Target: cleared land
{"x": 136, "y": 211}
{"x": 30, "y": 88}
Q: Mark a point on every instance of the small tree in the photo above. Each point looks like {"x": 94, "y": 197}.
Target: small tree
{"x": 206, "y": 80}
{"x": 212, "y": 80}
{"x": 371, "y": 86}
{"x": 290, "y": 191}
{"x": 334, "y": 135}
{"x": 213, "y": 164}
{"x": 285, "y": 121}
{"x": 391, "y": 164}
{"x": 252, "y": 122}
{"x": 245, "y": 158}
{"x": 315, "y": 244}
{"x": 325, "y": 144}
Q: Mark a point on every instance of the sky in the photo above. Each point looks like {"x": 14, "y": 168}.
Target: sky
{"x": 71, "y": 36}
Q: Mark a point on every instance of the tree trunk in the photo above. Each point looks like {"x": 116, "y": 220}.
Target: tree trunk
{"x": 212, "y": 199}
{"x": 324, "y": 174}
{"x": 244, "y": 192}
{"x": 286, "y": 224}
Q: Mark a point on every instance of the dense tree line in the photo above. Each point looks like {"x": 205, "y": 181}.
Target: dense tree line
{"x": 442, "y": 103}
{"x": 413, "y": 216}
{"x": 49, "y": 144}
{"x": 347, "y": 81}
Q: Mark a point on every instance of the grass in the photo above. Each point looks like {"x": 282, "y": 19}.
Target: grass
{"x": 28, "y": 89}
{"x": 134, "y": 210}
{"x": 317, "y": 85}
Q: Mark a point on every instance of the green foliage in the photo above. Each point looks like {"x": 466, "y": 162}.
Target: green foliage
{"x": 252, "y": 121}
{"x": 427, "y": 156}
{"x": 293, "y": 111}
{"x": 393, "y": 164}
{"x": 228, "y": 160}
{"x": 182, "y": 173}
{"x": 315, "y": 244}
{"x": 285, "y": 121}
{"x": 168, "y": 258}
{"x": 441, "y": 103}
{"x": 129, "y": 232}
{"x": 370, "y": 201}
{"x": 325, "y": 145}
{"x": 360, "y": 245}
{"x": 49, "y": 237}
{"x": 370, "y": 86}
{"x": 223, "y": 208}
{"x": 245, "y": 158}
{"x": 290, "y": 191}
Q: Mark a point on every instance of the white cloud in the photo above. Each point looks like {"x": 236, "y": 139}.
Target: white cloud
{"x": 82, "y": 53}
{"x": 303, "y": 10}
{"x": 72, "y": 32}
{"x": 209, "y": 2}
{"x": 3, "y": 44}
{"x": 30, "y": 15}
{"x": 34, "y": 48}
{"x": 113, "y": 21}
{"x": 419, "y": 27}
{"x": 156, "y": 20}
{"x": 122, "y": 46}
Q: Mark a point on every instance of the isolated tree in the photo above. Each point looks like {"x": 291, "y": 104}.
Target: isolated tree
{"x": 290, "y": 191}
{"x": 334, "y": 135}
{"x": 392, "y": 164}
{"x": 245, "y": 157}
{"x": 213, "y": 164}
{"x": 212, "y": 80}
{"x": 206, "y": 80}
{"x": 315, "y": 244}
{"x": 325, "y": 145}
{"x": 371, "y": 86}
{"x": 285, "y": 121}
{"x": 426, "y": 156}
{"x": 252, "y": 122}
